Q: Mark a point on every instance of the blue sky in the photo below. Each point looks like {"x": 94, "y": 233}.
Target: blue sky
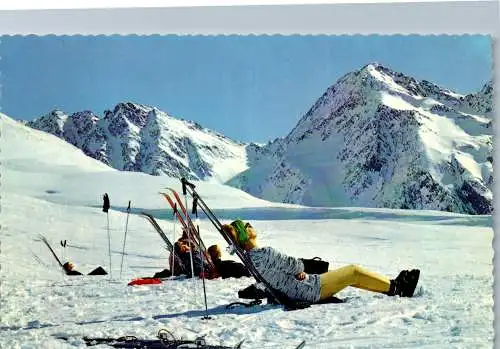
{"x": 250, "y": 88}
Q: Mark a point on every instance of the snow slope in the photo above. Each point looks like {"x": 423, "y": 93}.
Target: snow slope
{"x": 51, "y": 187}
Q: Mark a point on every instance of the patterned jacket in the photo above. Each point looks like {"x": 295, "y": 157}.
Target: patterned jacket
{"x": 279, "y": 270}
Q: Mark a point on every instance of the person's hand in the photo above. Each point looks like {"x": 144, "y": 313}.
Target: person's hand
{"x": 300, "y": 276}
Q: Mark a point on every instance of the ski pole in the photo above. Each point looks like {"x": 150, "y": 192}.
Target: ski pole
{"x": 173, "y": 239}
{"x": 63, "y": 249}
{"x": 195, "y": 211}
{"x": 37, "y": 258}
{"x": 192, "y": 266}
{"x": 109, "y": 245}
{"x": 105, "y": 208}
{"x": 206, "y": 317}
{"x": 125, "y": 238}
{"x": 191, "y": 253}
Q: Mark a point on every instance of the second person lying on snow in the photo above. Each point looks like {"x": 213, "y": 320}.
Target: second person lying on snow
{"x": 184, "y": 247}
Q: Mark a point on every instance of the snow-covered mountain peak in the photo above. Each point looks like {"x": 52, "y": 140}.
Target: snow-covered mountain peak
{"x": 137, "y": 137}
{"x": 375, "y": 76}
{"x": 85, "y": 116}
{"x": 380, "y": 77}
{"x": 54, "y": 121}
{"x": 57, "y": 113}
{"x": 133, "y": 112}
{"x": 482, "y": 101}
{"x": 381, "y": 138}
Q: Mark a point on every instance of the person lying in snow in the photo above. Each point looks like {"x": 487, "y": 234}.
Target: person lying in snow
{"x": 286, "y": 273}
{"x": 224, "y": 268}
{"x": 183, "y": 248}
{"x": 69, "y": 269}
{"x": 227, "y": 268}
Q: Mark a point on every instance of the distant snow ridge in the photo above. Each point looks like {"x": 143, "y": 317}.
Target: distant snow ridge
{"x": 378, "y": 138}
{"x": 134, "y": 137}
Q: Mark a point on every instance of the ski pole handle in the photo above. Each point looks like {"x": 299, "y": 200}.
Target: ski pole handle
{"x": 186, "y": 183}
{"x": 106, "y": 204}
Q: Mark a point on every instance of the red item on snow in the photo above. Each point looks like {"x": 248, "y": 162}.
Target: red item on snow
{"x": 144, "y": 281}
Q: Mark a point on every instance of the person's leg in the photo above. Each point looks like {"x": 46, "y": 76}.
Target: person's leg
{"x": 334, "y": 281}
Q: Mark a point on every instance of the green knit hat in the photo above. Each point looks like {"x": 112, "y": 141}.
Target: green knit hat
{"x": 241, "y": 232}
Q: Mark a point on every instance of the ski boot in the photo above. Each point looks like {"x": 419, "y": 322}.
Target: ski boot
{"x": 404, "y": 285}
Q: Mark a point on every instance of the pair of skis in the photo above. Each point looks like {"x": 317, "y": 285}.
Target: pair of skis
{"x": 165, "y": 340}
{"x": 170, "y": 246}
{"x": 193, "y": 233}
{"x": 46, "y": 242}
{"x": 187, "y": 223}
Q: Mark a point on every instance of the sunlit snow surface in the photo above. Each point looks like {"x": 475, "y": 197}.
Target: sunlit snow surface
{"x": 50, "y": 187}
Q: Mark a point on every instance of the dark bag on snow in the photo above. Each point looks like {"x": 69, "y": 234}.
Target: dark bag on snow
{"x": 314, "y": 265}
{"x": 98, "y": 271}
{"x": 165, "y": 273}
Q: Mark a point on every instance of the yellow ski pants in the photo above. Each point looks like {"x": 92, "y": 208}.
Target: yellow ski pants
{"x": 336, "y": 280}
